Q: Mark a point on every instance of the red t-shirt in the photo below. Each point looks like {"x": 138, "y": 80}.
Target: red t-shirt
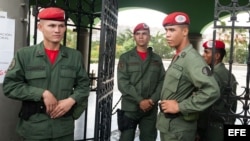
{"x": 143, "y": 55}
{"x": 52, "y": 55}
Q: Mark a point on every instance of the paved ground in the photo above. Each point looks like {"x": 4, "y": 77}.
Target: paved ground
{"x": 238, "y": 70}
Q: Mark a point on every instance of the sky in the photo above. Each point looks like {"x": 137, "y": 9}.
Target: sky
{"x": 132, "y": 17}
{"x": 242, "y": 21}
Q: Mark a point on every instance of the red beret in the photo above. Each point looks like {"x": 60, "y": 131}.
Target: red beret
{"x": 218, "y": 44}
{"x": 176, "y": 18}
{"x": 141, "y": 26}
{"x": 52, "y": 13}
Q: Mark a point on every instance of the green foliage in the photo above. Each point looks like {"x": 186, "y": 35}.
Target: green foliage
{"x": 158, "y": 42}
{"x": 241, "y": 56}
{"x": 240, "y": 43}
{"x": 94, "y": 51}
{"x": 126, "y": 42}
{"x": 71, "y": 38}
{"x": 119, "y": 50}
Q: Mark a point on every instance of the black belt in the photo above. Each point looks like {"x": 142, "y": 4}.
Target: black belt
{"x": 30, "y": 108}
{"x": 42, "y": 109}
{"x": 168, "y": 115}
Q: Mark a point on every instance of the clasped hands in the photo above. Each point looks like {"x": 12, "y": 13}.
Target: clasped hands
{"x": 55, "y": 108}
{"x": 146, "y": 105}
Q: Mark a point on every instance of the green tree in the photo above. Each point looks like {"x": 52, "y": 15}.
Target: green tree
{"x": 239, "y": 47}
{"x": 158, "y": 42}
{"x": 125, "y": 42}
{"x": 95, "y": 51}
{"x": 71, "y": 38}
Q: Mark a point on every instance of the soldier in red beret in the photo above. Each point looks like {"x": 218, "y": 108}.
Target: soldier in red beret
{"x": 189, "y": 86}
{"x": 52, "y": 13}
{"x": 210, "y": 124}
{"x": 140, "y": 76}
{"x": 220, "y": 51}
{"x": 50, "y": 80}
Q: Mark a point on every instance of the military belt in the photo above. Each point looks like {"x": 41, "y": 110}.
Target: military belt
{"x": 30, "y": 108}
{"x": 168, "y": 115}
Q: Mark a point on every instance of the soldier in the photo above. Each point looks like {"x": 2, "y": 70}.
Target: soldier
{"x": 189, "y": 86}
{"x": 50, "y": 80}
{"x": 210, "y": 124}
{"x": 140, "y": 77}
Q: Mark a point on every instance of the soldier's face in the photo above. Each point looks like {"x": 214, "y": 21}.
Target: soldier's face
{"x": 142, "y": 38}
{"x": 207, "y": 55}
{"x": 175, "y": 35}
{"x": 53, "y": 31}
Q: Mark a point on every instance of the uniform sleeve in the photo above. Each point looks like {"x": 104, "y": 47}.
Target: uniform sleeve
{"x": 207, "y": 88}
{"x": 123, "y": 81}
{"x": 14, "y": 84}
{"x": 81, "y": 86}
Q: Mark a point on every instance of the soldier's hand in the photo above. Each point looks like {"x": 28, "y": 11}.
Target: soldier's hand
{"x": 62, "y": 107}
{"x": 169, "y": 106}
{"x": 146, "y": 105}
{"x": 49, "y": 100}
{"x": 151, "y": 102}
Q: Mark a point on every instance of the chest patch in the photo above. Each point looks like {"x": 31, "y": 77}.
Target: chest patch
{"x": 120, "y": 65}
{"x": 207, "y": 71}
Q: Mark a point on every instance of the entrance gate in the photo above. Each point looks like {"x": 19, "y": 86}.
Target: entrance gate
{"x": 233, "y": 8}
{"x": 84, "y": 14}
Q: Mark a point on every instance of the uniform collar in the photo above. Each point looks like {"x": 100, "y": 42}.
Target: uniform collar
{"x": 183, "y": 52}
{"x": 219, "y": 65}
{"x": 149, "y": 51}
{"x": 40, "y": 50}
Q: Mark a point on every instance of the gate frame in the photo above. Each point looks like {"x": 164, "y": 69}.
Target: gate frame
{"x": 233, "y": 9}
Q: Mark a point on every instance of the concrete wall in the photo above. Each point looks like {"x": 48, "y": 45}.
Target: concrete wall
{"x": 16, "y": 9}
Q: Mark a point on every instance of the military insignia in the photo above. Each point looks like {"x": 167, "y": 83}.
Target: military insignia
{"x": 180, "y": 19}
{"x": 145, "y": 26}
{"x": 210, "y": 44}
{"x": 183, "y": 54}
{"x": 120, "y": 65}
{"x": 12, "y": 64}
{"x": 207, "y": 71}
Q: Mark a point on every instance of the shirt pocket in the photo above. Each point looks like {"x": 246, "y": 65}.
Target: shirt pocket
{"x": 155, "y": 71}
{"x": 68, "y": 75}
{"x": 68, "y": 72}
{"x": 152, "y": 78}
{"x": 134, "y": 72}
{"x": 133, "y": 67}
{"x": 173, "y": 77}
{"x": 34, "y": 75}
{"x": 35, "y": 72}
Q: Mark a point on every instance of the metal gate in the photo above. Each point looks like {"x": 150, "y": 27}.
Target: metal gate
{"x": 83, "y": 13}
{"x": 106, "y": 68}
{"x": 233, "y": 8}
